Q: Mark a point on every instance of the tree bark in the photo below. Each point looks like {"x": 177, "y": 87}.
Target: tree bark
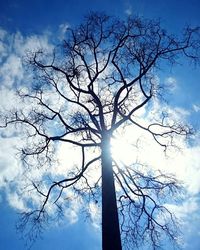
{"x": 111, "y": 239}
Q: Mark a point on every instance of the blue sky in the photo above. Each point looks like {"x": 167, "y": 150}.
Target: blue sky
{"x": 24, "y": 23}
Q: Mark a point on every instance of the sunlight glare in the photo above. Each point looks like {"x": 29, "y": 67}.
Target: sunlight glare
{"x": 123, "y": 150}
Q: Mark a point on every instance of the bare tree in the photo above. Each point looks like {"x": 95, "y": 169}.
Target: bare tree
{"x": 83, "y": 93}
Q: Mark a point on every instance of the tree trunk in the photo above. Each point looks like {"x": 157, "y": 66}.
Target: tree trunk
{"x": 110, "y": 222}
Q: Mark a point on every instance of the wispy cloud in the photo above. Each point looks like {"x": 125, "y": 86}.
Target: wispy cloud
{"x": 196, "y": 108}
{"x": 128, "y": 11}
{"x": 128, "y": 8}
{"x": 11, "y": 71}
{"x": 62, "y": 30}
{"x": 171, "y": 83}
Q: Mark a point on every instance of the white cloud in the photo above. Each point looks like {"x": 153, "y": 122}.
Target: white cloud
{"x": 95, "y": 214}
{"x": 62, "y": 30}
{"x": 15, "y": 201}
{"x": 171, "y": 83}
{"x": 128, "y": 11}
{"x": 11, "y": 64}
{"x": 2, "y": 34}
{"x": 188, "y": 217}
{"x": 10, "y": 167}
{"x": 196, "y": 108}
{"x": 12, "y": 50}
{"x": 22, "y": 44}
{"x": 183, "y": 162}
{"x": 3, "y": 45}
{"x": 11, "y": 71}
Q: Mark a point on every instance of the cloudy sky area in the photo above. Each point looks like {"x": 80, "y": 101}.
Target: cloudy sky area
{"x": 29, "y": 25}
